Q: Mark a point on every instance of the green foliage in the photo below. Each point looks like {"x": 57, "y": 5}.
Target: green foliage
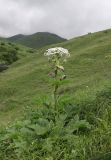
{"x": 42, "y": 135}
{"x": 10, "y": 53}
{"x": 9, "y": 57}
{"x": 2, "y": 44}
{"x": 77, "y": 132}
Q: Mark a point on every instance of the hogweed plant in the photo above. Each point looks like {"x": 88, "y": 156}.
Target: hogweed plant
{"x": 57, "y": 56}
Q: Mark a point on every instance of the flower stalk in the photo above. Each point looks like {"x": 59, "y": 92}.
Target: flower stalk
{"x": 56, "y": 57}
{"x": 55, "y": 89}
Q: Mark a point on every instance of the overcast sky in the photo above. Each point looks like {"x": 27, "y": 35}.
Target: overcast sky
{"x": 67, "y": 18}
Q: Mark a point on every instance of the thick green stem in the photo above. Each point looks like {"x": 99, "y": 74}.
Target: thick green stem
{"x": 56, "y": 85}
{"x": 55, "y": 89}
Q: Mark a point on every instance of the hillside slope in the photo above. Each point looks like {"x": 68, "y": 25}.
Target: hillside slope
{"x": 36, "y": 40}
{"x": 88, "y": 70}
{"x": 10, "y": 53}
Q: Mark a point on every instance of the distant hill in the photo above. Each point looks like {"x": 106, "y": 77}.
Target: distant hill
{"x": 37, "y": 40}
{"x": 16, "y": 38}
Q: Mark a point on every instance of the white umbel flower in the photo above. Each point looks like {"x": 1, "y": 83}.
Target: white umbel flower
{"x": 62, "y": 52}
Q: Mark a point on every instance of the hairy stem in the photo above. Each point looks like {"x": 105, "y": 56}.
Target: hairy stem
{"x": 55, "y": 89}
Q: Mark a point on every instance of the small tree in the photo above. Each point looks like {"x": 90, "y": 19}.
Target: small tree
{"x": 56, "y": 57}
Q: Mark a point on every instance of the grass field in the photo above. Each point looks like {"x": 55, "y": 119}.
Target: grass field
{"x": 26, "y": 83}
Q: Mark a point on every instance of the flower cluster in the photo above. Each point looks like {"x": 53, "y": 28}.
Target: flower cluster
{"x": 59, "y": 51}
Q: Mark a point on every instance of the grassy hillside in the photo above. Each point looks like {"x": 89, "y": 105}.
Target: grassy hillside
{"x": 10, "y": 53}
{"x": 36, "y": 40}
{"x": 88, "y": 71}
{"x": 26, "y": 85}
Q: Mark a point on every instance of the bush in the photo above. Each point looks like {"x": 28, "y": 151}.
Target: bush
{"x": 30, "y": 51}
{"x": 3, "y": 67}
{"x": 10, "y": 43}
{"x": 2, "y": 44}
{"x": 10, "y": 56}
{"x": 106, "y": 31}
{"x": 17, "y": 48}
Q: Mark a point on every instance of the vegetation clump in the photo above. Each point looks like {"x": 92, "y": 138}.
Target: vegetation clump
{"x": 10, "y": 53}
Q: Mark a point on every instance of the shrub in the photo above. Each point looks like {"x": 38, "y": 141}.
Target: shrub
{"x": 10, "y": 56}
{"x": 2, "y": 44}
{"x": 17, "y": 48}
{"x": 3, "y": 67}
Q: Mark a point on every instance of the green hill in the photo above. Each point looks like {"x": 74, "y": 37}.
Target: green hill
{"x": 36, "y": 40}
{"x": 25, "y": 85}
{"x": 16, "y": 38}
{"x": 89, "y": 66}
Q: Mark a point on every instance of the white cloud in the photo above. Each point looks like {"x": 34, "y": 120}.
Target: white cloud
{"x": 67, "y": 18}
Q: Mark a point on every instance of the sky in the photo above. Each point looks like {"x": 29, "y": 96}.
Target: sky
{"x": 67, "y": 18}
